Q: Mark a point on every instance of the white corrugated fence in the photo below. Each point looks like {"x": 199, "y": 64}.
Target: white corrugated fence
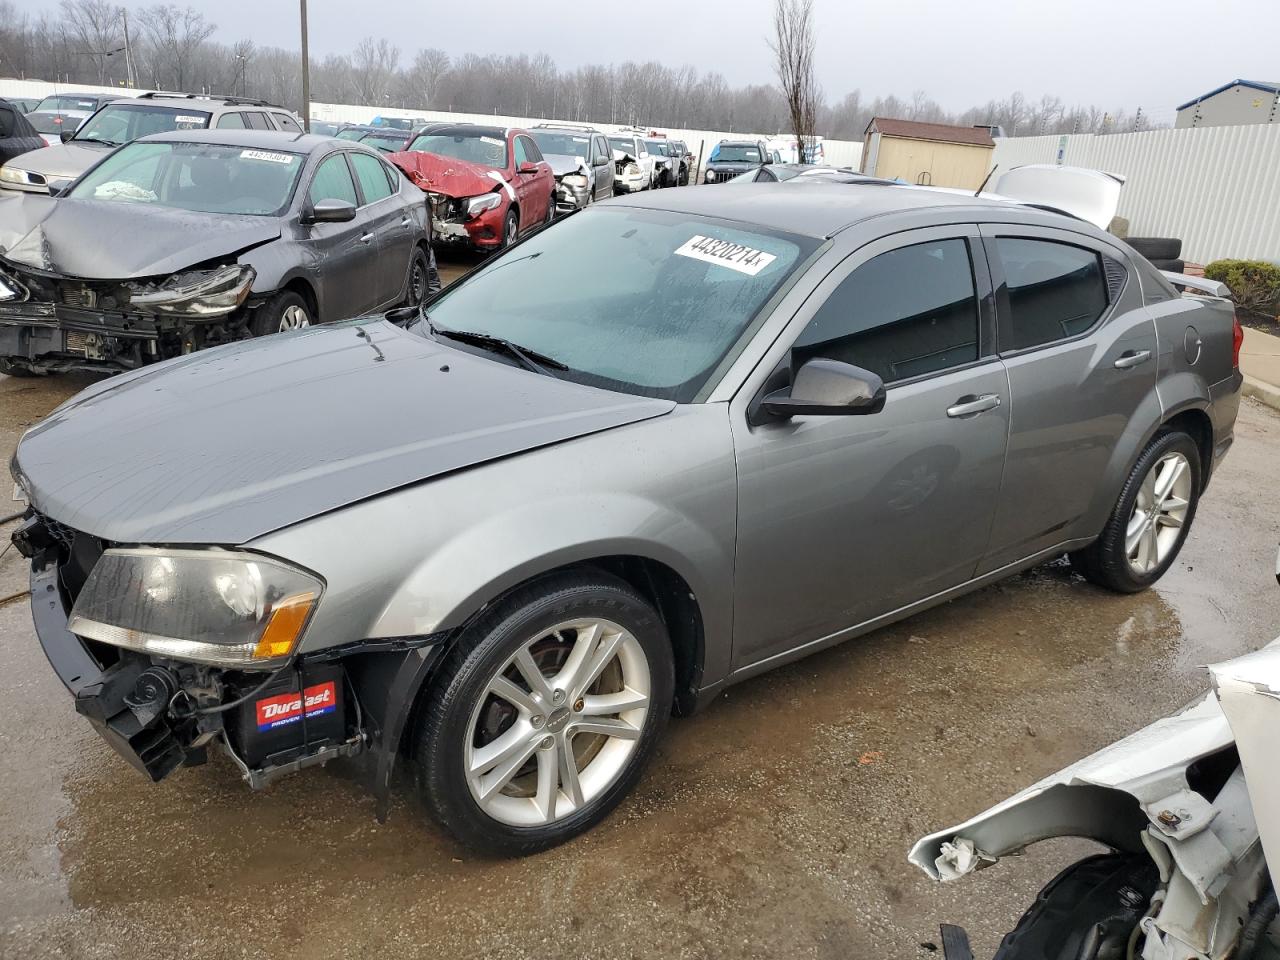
{"x": 1216, "y": 188}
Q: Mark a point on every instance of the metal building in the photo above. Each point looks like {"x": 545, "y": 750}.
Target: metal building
{"x": 1237, "y": 102}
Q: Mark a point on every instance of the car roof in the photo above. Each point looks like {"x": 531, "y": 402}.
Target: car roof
{"x": 254, "y": 139}
{"x": 202, "y": 104}
{"x": 467, "y": 129}
{"x": 819, "y": 208}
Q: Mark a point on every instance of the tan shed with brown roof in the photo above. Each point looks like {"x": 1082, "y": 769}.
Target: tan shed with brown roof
{"x": 933, "y": 154}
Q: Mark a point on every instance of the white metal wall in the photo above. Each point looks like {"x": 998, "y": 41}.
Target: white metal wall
{"x": 1217, "y": 188}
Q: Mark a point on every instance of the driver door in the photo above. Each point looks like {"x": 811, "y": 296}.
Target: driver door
{"x": 844, "y": 519}
{"x": 533, "y": 206}
{"x": 346, "y": 253}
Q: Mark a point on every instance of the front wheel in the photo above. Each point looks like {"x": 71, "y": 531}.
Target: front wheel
{"x": 285, "y": 311}
{"x": 510, "y": 227}
{"x": 1151, "y": 519}
{"x": 1091, "y": 909}
{"x": 544, "y": 714}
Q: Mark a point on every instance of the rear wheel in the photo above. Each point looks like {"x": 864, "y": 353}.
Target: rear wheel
{"x": 418, "y": 283}
{"x": 287, "y": 310}
{"x": 544, "y": 714}
{"x": 1150, "y": 521}
{"x": 1090, "y": 910}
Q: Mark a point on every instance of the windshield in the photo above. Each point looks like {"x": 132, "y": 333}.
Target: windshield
{"x": 126, "y": 122}
{"x": 58, "y": 104}
{"x": 204, "y": 177}
{"x": 625, "y": 144}
{"x": 726, "y": 153}
{"x": 565, "y": 144}
{"x": 386, "y": 142}
{"x": 658, "y": 147}
{"x": 478, "y": 148}
{"x": 351, "y": 133}
{"x": 55, "y": 123}
{"x": 324, "y": 129}
{"x": 642, "y": 301}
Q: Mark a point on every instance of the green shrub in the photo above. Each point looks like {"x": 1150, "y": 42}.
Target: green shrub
{"x": 1255, "y": 284}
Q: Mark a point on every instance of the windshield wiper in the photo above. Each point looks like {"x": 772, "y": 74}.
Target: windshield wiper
{"x": 105, "y": 143}
{"x": 529, "y": 359}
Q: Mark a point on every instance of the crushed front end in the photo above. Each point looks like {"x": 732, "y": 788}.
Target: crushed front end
{"x": 51, "y": 323}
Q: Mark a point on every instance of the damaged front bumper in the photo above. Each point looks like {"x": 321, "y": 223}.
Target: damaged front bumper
{"x": 571, "y": 197}
{"x": 451, "y": 225}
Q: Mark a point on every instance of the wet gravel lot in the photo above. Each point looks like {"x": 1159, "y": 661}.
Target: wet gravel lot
{"x": 775, "y": 824}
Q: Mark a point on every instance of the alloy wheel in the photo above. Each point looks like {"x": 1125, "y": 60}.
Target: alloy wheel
{"x": 417, "y": 283}
{"x": 294, "y": 318}
{"x": 1159, "y": 512}
{"x": 557, "y": 723}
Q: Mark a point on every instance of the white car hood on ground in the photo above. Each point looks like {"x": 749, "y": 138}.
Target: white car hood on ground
{"x": 1149, "y": 766}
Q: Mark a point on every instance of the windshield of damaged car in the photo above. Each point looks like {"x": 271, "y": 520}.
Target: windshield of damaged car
{"x": 658, "y": 147}
{"x": 386, "y": 142}
{"x": 725, "y": 153}
{"x": 564, "y": 144}
{"x": 124, "y": 123}
{"x": 473, "y": 147}
{"x": 203, "y": 177}
{"x": 646, "y": 302}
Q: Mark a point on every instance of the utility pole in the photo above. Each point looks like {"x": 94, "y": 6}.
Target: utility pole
{"x": 129, "y": 77}
{"x": 306, "y": 74}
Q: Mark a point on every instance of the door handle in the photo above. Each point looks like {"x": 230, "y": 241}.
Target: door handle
{"x": 971, "y": 405}
{"x": 1131, "y": 358}
{"x": 407, "y": 221}
{"x": 365, "y": 238}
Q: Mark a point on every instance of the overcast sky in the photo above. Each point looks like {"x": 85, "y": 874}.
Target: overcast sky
{"x": 1112, "y": 53}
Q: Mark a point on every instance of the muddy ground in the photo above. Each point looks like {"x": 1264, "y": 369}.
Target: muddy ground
{"x": 775, "y": 824}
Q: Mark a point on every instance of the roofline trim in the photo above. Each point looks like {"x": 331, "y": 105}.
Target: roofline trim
{"x": 1251, "y": 84}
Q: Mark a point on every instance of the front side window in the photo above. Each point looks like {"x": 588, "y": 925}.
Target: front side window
{"x": 202, "y": 177}
{"x": 1056, "y": 291}
{"x": 647, "y": 302}
{"x": 333, "y": 182}
{"x": 531, "y": 150}
{"x": 474, "y": 147}
{"x": 118, "y": 123}
{"x": 521, "y": 155}
{"x": 902, "y": 314}
{"x": 602, "y": 148}
{"x": 373, "y": 179}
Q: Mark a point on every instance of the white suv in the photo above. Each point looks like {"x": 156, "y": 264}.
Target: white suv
{"x": 122, "y": 121}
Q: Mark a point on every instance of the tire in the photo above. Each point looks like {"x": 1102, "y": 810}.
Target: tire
{"x": 530, "y": 805}
{"x": 1103, "y": 898}
{"x": 11, "y": 369}
{"x": 510, "y": 227}
{"x": 551, "y": 210}
{"x": 1107, "y": 561}
{"x": 418, "y": 283}
{"x": 285, "y": 311}
{"x": 1157, "y": 248}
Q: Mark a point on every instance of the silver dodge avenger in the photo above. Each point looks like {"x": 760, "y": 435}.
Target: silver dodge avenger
{"x": 656, "y": 449}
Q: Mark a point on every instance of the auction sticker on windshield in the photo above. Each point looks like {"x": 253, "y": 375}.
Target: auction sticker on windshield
{"x": 726, "y": 253}
{"x": 266, "y": 155}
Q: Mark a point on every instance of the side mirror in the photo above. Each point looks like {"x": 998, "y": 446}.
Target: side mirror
{"x": 528, "y": 167}
{"x": 603, "y": 161}
{"x": 827, "y": 388}
{"x": 331, "y": 211}
{"x": 58, "y": 185}
{"x": 64, "y": 134}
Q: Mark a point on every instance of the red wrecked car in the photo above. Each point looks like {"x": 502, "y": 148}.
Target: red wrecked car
{"x": 486, "y": 185}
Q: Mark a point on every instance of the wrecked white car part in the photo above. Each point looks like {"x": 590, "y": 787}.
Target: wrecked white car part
{"x": 1091, "y": 195}
{"x": 1177, "y": 791}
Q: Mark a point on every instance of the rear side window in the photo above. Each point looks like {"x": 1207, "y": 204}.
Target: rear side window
{"x": 287, "y": 123}
{"x": 1056, "y": 290}
{"x": 231, "y": 121}
{"x": 905, "y": 313}
{"x": 258, "y": 121}
{"x": 333, "y": 182}
{"x": 373, "y": 180}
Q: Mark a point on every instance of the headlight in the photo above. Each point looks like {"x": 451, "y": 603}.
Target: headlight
{"x": 13, "y": 175}
{"x": 478, "y": 205}
{"x": 711, "y": 175}
{"x": 200, "y": 293}
{"x": 575, "y": 180}
{"x": 211, "y": 606}
{"x": 8, "y": 291}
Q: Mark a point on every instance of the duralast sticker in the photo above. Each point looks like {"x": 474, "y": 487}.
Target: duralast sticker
{"x": 287, "y": 707}
{"x": 726, "y": 253}
{"x": 198, "y": 121}
{"x": 267, "y": 155}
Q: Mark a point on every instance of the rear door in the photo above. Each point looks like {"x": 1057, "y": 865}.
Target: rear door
{"x": 347, "y": 253}
{"x": 842, "y": 519}
{"x": 390, "y": 222}
{"x": 1080, "y": 349}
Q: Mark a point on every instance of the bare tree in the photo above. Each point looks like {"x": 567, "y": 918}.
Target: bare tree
{"x": 94, "y": 27}
{"x": 794, "y": 44}
{"x": 174, "y": 38}
{"x": 374, "y": 65}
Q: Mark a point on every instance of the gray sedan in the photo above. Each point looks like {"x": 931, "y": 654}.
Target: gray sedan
{"x": 184, "y": 240}
{"x": 658, "y": 448}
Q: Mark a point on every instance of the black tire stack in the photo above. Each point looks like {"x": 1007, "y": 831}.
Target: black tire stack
{"x": 1163, "y": 252}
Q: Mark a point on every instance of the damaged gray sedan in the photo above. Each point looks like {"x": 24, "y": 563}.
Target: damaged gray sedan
{"x": 662, "y": 446}
{"x": 190, "y": 239}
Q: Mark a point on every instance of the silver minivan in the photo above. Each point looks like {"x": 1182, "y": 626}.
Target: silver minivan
{"x": 658, "y": 448}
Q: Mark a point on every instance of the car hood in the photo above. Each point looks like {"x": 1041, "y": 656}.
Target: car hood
{"x": 83, "y": 238}
{"x": 446, "y": 175}
{"x": 1091, "y": 195}
{"x": 562, "y": 163}
{"x": 62, "y": 160}
{"x": 229, "y": 444}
